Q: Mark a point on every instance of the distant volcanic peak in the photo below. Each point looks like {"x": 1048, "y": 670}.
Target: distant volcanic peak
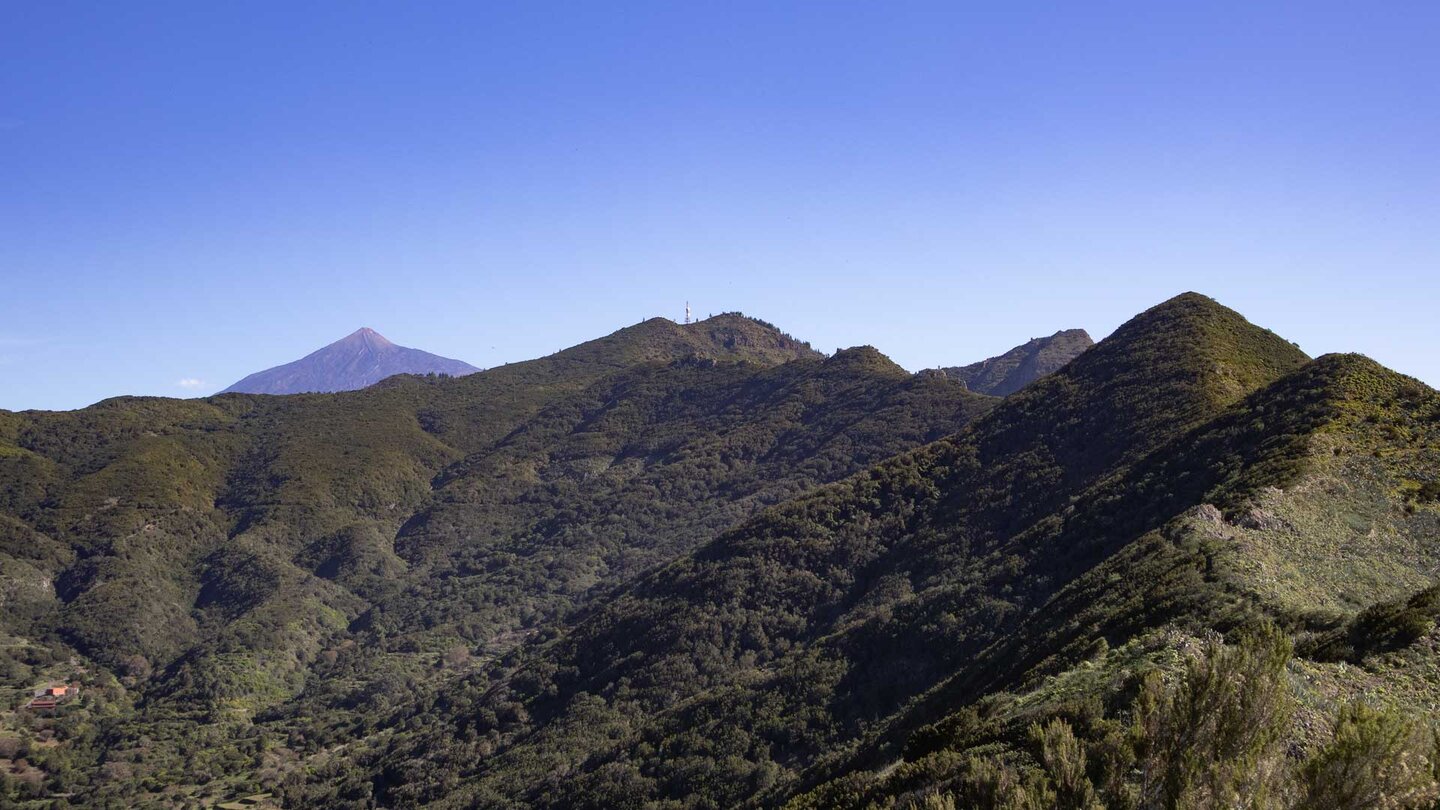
{"x": 364, "y": 339}
{"x": 370, "y": 337}
{"x": 358, "y": 360}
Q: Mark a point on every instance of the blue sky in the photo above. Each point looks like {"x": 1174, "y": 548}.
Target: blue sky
{"x": 194, "y": 191}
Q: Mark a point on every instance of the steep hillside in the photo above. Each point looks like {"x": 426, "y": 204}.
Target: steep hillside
{"x": 1019, "y": 615}
{"x": 1299, "y": 507}
{"x": 783, "y": 641}
{"x": 1009, "y": 372}
{"x": 287, "y": 567}
{"x": 144, "y": 489}
{"x": 356, "y": 361}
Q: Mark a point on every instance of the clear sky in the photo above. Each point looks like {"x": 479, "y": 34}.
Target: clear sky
{"x": 193, "y": 191}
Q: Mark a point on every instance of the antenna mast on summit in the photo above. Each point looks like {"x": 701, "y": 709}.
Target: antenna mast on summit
{"x": 687, "y": 312}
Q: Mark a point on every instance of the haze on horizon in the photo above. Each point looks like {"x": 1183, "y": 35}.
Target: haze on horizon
{"x": 194, "y": 193}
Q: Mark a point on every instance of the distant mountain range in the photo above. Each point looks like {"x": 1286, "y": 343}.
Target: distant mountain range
{"x": 1007, "y": 373}
{"x": 359, "y": 360}
{"x": 365, "y": 357}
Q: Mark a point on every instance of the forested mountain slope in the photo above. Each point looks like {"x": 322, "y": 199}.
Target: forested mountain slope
{"x": 1192, "y": 473}
{"x": 704, "y": 567}
{"x": 1309, "y": 507}
{"x": 284, "y": 568}
{"x": 134, "y": 495}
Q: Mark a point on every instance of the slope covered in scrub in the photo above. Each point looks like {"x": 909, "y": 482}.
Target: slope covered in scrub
{"x": 284, "y": 568}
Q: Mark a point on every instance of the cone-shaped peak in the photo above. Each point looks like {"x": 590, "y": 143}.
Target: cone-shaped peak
{"x": 369, "y": 337}
{"x": 1194, "y": 340}
{"x": 1186, "y": 304}
{"x": 1165, "y": 371}
{"x": 358, "y": 360}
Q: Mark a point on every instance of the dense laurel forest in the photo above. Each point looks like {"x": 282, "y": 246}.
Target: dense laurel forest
{"x": 706, "y": 567}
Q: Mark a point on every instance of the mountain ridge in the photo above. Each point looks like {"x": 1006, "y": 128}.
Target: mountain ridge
{"x": 211, "y": 558}
{"x": 798, "y": 569}
{"x": 1009, "y": 372}
{"x": 709, "y": 567}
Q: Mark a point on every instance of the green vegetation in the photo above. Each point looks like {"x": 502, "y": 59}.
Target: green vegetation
{"x": 1215, "y": 730}
{"x": 1382, "y": 627}
{"x": 265, "y": 577}
{"x": 702, "y": 567}
{"x": 811, "y": 642}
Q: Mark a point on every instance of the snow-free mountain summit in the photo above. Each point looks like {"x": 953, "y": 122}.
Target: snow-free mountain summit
{"x": 358, "y": 360}
{"x": 1007, "y": 373}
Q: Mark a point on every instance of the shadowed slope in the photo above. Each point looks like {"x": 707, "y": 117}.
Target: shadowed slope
{"x": 1298, "y": 505}
{"x": 788, "y": 617}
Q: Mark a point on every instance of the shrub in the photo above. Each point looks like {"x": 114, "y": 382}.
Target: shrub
{"x": 1376, "y": 759}
{"x": 1429, "y": 492}
{"x": 1064, "y": 760}
{"x": 1379, "y": 628}
{"x": 1217, "y": 740}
